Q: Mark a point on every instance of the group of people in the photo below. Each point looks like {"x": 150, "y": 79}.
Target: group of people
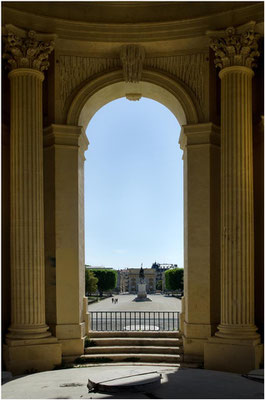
{"x": 114, "y": 300}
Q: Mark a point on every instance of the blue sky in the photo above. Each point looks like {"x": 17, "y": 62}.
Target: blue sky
{"x": 133, "y": 186}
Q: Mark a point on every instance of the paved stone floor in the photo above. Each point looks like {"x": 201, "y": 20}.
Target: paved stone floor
{"x": 176, "y": 383}
{"x": 125, "y": 303}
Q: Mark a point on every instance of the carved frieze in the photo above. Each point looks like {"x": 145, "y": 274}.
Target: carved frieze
{"x": 132, "y": 58}
{"x": 235, "y": 46}
{"x": 74, "y": 70}
{"x": 26, "y": 52}
{"x": 189, "y": 68}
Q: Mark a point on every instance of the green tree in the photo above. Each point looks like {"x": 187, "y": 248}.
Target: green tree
{"x": 107, "y": 279}
{"x": 91, "y": 282}
{"x": 159, "y": 285}
{"x": 174, "y": 279}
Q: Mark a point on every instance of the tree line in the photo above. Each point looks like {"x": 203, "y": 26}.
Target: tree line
{"x": 101, "y": 280}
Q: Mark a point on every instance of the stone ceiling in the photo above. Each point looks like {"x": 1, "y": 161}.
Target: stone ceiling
{"x": 127, "y": 12}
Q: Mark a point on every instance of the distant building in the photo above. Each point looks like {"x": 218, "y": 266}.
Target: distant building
{"x": 160, "y": 272}
{"x": 150, "y": 279}
{"x": 124, "y": 280}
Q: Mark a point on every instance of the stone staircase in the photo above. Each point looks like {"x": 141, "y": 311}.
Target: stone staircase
{"x": 139, "y": 346}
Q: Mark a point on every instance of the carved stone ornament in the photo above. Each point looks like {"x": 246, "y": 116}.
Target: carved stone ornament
{"x": 133, "y": 96}
{"x": 132, "y": 58}
{"x": 235, "y": 46}
{"x": 27, "y": 52}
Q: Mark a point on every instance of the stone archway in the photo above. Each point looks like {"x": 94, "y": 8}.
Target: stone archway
{"x": 200, "y": 144}
{"x": 176, "y": 96}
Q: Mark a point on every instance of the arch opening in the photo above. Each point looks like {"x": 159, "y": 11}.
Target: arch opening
{"x": 133, "y": 92}
{"x": 134, "y": 172}
{"x": 134, "y": 211}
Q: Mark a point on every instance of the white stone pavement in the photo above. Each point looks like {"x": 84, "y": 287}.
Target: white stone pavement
{"x": 176, "y": 383}
{"x": 125, "y": 303}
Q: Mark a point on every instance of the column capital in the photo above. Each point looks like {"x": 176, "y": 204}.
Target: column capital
{"x": 65, "y": 135}
{"x": 27, "y": 49}
{"x": 235, "y": 46}
{"x": 199, "y": 134}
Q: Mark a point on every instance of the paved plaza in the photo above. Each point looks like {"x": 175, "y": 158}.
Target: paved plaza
{"x": 125, "y": 303}
{"x": 176, "y": 383}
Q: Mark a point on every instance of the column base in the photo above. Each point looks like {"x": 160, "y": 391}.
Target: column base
{"x": 240, "y": 356}
{"x": 32, "y": 355}
{"x": 28, "y": 332}
{"x": 72, "y": 338}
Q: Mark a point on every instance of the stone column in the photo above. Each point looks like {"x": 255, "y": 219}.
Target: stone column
{"x": 201, "y": 312}
{"x": 236, "y": 347}
{"x": 27, "y": 222}
{"x": 27, "y": 57}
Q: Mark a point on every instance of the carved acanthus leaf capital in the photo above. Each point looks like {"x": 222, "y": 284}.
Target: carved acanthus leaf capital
{"x": 26, "y": 52}
{"x": 132, "y": 58}
{"x": 235, "y": 46}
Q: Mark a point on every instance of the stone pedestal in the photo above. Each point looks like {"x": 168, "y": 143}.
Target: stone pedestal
{"x": 238, "y": 355}
{"x": 235, "y": 346}
{"x": 141, "y": 294}
{"x": 32, "y": 355}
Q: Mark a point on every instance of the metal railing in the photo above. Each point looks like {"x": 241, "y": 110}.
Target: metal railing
{"x": 134, "y": 320}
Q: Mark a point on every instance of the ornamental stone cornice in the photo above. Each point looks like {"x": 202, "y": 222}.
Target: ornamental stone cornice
{"x": 115, "y": 22}
{"x": 26, "y": 49}
{"x": 235, "y": 46}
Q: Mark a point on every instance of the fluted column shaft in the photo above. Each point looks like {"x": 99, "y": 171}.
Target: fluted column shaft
{"x": 27, "y": 218}
{"x": 237, "y": 229}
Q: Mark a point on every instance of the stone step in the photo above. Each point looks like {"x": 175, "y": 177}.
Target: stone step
{"x": 134, "y": 349}
{"x": 71, "y": 362}
{"x": 128, "y": 357}
{"x": 136, "y": 341}
{"x": 153, "y": 334}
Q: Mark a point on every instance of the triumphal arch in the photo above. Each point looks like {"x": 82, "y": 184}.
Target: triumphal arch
{"x": 61, "y": 63}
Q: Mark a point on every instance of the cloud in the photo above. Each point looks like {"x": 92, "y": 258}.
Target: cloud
{"x": 119, "y": 251}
